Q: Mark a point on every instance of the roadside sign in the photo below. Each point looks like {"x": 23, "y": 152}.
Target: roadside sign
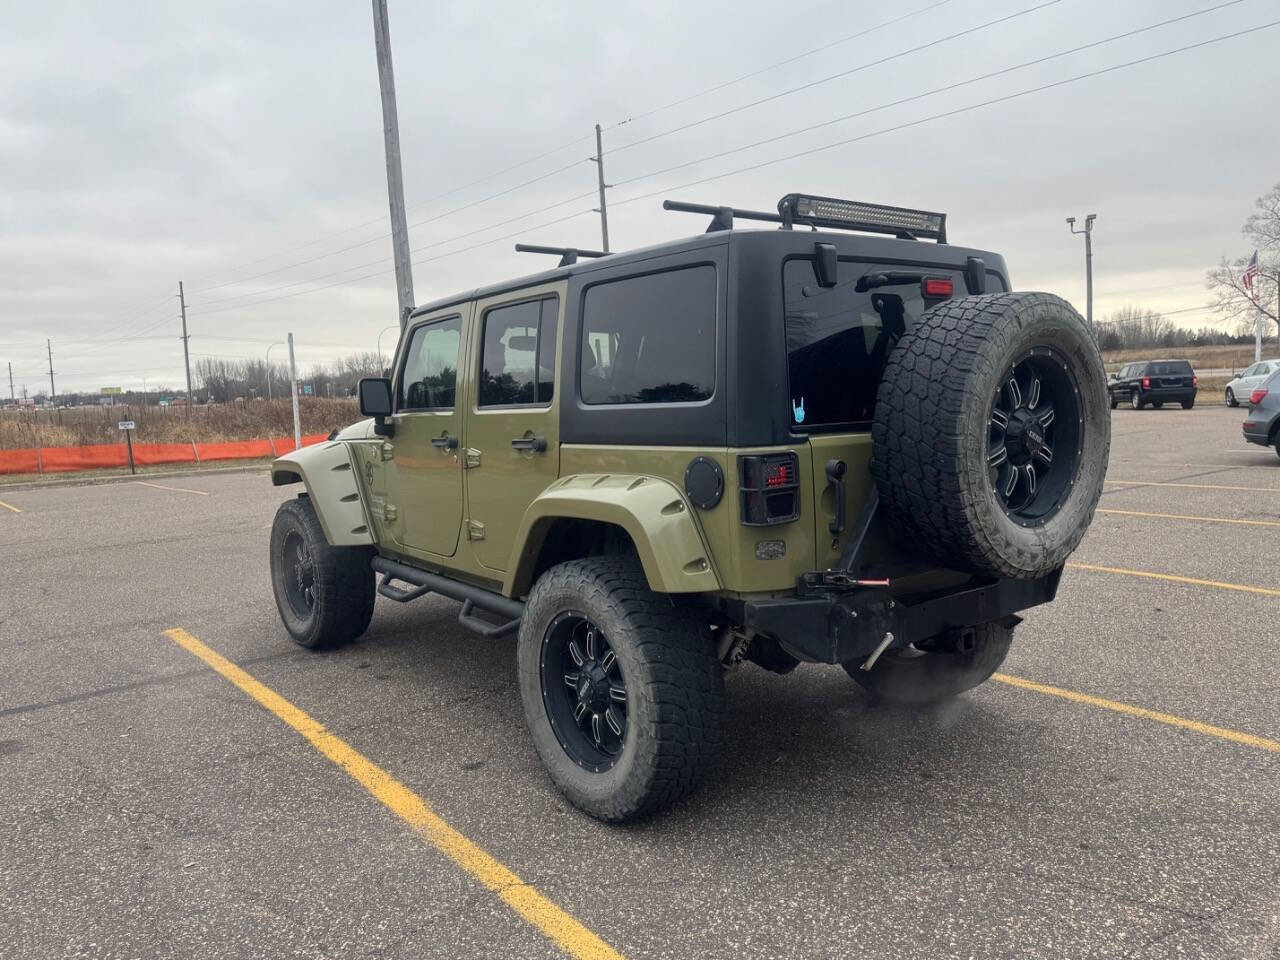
{"x": 111, "y": 391}
{"x": 307, "y": 389}
{"x": 165, "y": 401}
{"x": 127, "y": 427}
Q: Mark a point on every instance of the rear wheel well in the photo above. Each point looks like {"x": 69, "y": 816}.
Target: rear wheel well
{"x": 570, "y": 538}
{"x": 1275, "y": 432}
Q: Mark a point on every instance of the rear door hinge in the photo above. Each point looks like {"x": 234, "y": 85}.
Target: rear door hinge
{"x": 475, "y": 530}
{"x": 386, "y": 451}
{"x": 471, "y": 458}
{"x": 389, "y": 512}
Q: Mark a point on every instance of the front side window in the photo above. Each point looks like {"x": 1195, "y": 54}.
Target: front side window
{"x": 839, "y": 338}
{"x": 518, "y": 359}
{"x": 431, "y": 366}
{"x": 650, "y": 339}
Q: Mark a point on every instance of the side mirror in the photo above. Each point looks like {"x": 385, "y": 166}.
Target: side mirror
{"x": 375, "y": 401}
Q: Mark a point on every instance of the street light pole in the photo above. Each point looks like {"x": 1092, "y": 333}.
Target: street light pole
{"x": 1088, "y": 263}
{"x": 278, "y": 343}
{"x": 380, "y": 333}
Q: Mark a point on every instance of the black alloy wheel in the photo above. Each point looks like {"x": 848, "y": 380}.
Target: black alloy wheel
{"x": 1033, "y": 450}
{"x": 300, "y": 574}
{"x": 584, "y": 691}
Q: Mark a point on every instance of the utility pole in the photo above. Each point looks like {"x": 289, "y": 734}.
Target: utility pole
{"x": 12, "y": 398}
{"x": 604, "y": 211}
{"x": 395, "y": 179}
{"x": 53, "y": 395}
{"x": 1088, "y": 264}
{"x": 293, "y": 391}
{"x": 186, "y": 353}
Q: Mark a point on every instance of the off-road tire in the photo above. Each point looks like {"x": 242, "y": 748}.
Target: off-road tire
{"x": 1114, "y": 402}
{"x": 1157, "y": 404}
{"x": 1136, "y": 401}
{"x": 932, "y": 425}
{"x": 1231, "y": 398}
{"x": 343, "y": 580}
{"x": 913, "y": 678}
{"x": 1188, "y": 404}
{"x": 674, "y": 683}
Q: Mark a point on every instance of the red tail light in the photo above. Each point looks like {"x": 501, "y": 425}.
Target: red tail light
{"x": 1146, "y": 383}
{"x": 1195, "y": 381}
{"x": 770, "y": 488}
{"x": 1255, "y": 398}
{"x": 938, "y": 287}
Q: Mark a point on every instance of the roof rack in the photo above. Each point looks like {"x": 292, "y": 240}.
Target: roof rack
{"x": 830, "y": 213}
{"x": 567, "y": 255}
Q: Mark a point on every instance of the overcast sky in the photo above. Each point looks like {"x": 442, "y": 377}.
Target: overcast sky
{"x": 149, "y": 142}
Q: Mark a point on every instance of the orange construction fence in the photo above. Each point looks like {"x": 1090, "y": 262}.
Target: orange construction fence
{"x": 99, "y": 455}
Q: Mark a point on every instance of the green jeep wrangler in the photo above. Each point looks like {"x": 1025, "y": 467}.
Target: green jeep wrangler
{"x": 826, "y": 442}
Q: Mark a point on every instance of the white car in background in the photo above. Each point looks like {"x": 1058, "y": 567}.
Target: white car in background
{"x": 1249, "y": 380}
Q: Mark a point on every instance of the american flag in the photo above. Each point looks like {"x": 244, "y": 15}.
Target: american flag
{"x": 1250, "y": 273}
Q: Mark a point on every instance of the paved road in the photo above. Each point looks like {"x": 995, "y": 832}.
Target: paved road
{"x": 150, "y": 808}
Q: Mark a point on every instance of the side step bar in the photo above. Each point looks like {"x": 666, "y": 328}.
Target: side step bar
{"x": 472, "y": 597}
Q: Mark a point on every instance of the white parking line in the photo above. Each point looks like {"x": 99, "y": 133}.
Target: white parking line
{"x": 161, "y": 486}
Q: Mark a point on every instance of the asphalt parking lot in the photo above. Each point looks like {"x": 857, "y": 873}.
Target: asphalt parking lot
{"x": 151, "y": 808}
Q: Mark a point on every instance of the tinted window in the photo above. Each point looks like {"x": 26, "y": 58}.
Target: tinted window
{"x": 431, "y": 366}
{"x": 517, "y": 363}
{"x": 650, "y": 339}
{"x": 1168, "y": 368}
{"x": 838, "y": 338}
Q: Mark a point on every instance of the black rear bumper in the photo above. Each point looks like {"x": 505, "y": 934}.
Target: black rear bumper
{"x": 835, "y": 626}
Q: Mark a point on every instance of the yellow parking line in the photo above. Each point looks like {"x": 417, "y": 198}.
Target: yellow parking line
{"x": 161, "y": 486}
{"x": 9, "y": 506}
{"x": 1181, "y": 516}
{"x": 1173, "y": 578}
{"x": 1193, "y": 486}
{"x": 1235, "y": 736}
{"x": 557, "y": 925}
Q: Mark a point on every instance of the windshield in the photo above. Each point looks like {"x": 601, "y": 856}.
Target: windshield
{"x": 838, "y": 338}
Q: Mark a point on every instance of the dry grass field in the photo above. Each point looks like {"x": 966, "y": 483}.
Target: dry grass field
{"x": 1235, "y": 356}
{"x": 209, "y": 424}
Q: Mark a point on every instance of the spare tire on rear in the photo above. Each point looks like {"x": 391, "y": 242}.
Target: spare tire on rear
{"x": 992, "y": 432}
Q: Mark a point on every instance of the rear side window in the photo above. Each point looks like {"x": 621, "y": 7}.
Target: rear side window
{"x": 650, "y": 339}
{"x": 838, "y": 338}
{"x": 431, "y": 366}
{"x": 517, "y": 364}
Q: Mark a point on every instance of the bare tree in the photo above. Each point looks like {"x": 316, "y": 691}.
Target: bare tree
{"x": 1231, "y": 300}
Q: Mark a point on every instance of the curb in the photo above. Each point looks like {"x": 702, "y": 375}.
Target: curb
{"x": 128, "y": 478}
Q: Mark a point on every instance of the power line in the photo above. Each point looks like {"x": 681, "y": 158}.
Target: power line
{"x": 380, "y": 261}
{"x": 751, "y": 167}
{"x": 836, "y": 76}
{"x": 952, "y": 113}
{"x": 781, "y": 63}
{"x": 384, "y": 236}
{"x": 920, "y": 96}
{"x": 564, "y": 146}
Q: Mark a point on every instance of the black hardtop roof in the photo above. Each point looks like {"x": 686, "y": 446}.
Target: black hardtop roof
{"x": 760, "y": 242}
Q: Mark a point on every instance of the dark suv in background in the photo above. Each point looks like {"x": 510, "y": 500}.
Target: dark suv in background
{"x": 1154, "y": 382}
{"x": 1262, "y": 425}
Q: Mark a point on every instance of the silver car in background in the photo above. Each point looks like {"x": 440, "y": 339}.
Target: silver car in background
{"x": 1249, "y": 380}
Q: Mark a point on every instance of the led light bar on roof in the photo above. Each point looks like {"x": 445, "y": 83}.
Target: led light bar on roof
{"x": 870, "y": 217}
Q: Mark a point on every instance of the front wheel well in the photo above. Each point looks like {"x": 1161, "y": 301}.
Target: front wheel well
{"x": 561, "y": 539}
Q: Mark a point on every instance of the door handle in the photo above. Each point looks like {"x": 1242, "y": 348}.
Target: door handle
{"x": 447, "y": 442}
{"x": 532, "y": 444}
{"x": 835, "y": 476}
